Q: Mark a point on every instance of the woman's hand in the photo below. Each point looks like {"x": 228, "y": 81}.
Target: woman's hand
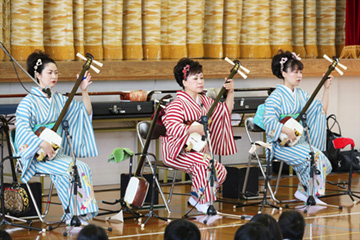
{"x": 328, "y": 82}
{"x": 196, "y": 128}
{"x": 85, "y": 82}
{"x": 47, "y": 148}
{"x": 290, "y": 133}
{"x": 229, "y": 86}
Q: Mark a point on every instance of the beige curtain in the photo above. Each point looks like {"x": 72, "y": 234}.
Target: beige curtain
{"x": 254, "y": 37}
{"x": 5, "y": 30}
{"x": 172, "y": 29}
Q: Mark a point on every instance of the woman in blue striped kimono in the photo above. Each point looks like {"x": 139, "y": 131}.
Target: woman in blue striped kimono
{"x": 288, "y": 99}
{"x": 38, "y": 109}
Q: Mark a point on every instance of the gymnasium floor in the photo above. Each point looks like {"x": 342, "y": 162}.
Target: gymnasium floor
{"x": 321, "y": 222}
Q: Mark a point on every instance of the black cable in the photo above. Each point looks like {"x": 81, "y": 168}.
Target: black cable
{"x": 18, "y": 78}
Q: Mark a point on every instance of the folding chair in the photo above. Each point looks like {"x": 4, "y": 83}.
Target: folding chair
{"x": 250, "y": 127}
{"x": 142, "y": 129}
{"x": 18, "y": 168}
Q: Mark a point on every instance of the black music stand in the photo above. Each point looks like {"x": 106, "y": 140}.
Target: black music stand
{"x": 4, "y": 128}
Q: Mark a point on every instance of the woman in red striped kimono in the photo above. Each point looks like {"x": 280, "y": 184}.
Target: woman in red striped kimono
{"x": 189, "y": 105}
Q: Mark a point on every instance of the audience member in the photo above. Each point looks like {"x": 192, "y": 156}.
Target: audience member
{"x": 92, "y": 232}
{"x": 4, "y": 235}
{"x": 252, "y": 231}
{"x": 181, "y": 229}
{"x": 292, "y": 225}
{"x": 270, "y": 223}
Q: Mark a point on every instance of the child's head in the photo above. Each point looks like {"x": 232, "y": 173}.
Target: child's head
{"x": 285, "y": 62}
{"x": 270, "y": 223}
{"x": 181, "y": 229}
{"x": 252, "y": 231}
{"x": 4, "y": 235}
{"x": 184, "y": 68}
{"x": 92, "y": 232}
{"x": 292, "y": 225}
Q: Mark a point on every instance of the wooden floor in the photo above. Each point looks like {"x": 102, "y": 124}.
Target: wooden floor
{"x": 321, "y": 222}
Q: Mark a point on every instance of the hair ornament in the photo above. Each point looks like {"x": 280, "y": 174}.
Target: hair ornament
{"x": 296, "y": 56}
{"x": 186, "y": 69}
{"x": 38, "y": 63}
{"x": 282, "y": 62}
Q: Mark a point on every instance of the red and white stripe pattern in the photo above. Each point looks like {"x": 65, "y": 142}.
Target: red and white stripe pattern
{"x": 181, "y": 111}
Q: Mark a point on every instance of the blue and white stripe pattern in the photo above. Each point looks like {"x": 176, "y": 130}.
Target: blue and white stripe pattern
{"x": 282, "y": 102}
{"x": 34, "y": 110}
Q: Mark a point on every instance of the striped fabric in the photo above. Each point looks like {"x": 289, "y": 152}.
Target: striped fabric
{"x": 184, "y": 110}
{"x": 34, "y": 110}
{"x": 282, "y": 102}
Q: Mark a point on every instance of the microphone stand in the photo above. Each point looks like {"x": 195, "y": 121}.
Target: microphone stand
{"x": 75, "y": 221}
{"x": 211, "y": 211}
{"x": 45, "y": 90}
{"x": 313, "y": 171}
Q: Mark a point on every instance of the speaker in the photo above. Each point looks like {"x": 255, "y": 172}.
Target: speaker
{"x": 234, "y": 182}
{"x": 36, "y": 191}
{"x": 124, "y": 179}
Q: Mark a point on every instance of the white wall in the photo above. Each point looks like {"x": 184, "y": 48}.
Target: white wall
{"x": 344, "y": 102}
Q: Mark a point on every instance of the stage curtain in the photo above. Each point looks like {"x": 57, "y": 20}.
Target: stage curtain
{"x": 151, "y": 29}
{"x": 280, "y": 26}
{"x": 172, "y": 29}
{"x": 255, "y": 42}
{"x": 325, "y": 24}
{"x": 27, "y": 34}
{"x": 58, "y": 29}
{"x": 5, "y": 31}
{"x": 132, "y": 33}
{"x": 311, "y": 49}
{"x": 112, "y": 24}
{"x": 213, "y": 29}
{"x": 195, "y": 28}
{"x": 232, "y": 26}
{"x": 93, "y": 19}
{"x": 297, "y": 21}
{"x": 352, "y": 30}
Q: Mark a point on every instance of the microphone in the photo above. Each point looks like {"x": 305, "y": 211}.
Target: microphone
{"x": 204, "y": 121}
{"x": 47, "y": 91}
{"x": 65, "y": 125}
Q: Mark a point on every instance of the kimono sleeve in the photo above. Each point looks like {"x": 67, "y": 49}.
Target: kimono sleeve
{"x": 222, "y": 137}
{"x": 27, "y": 142}
{"x": 272, "y": 114}
{"x": 174, "y": 121}
{"x": 81, "y": 130}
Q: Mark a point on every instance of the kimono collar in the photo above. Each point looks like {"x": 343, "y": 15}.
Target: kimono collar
{"x": 37, "y": 91}
{"x": 187, "y": 97}
{"x": 287, "y": 90}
